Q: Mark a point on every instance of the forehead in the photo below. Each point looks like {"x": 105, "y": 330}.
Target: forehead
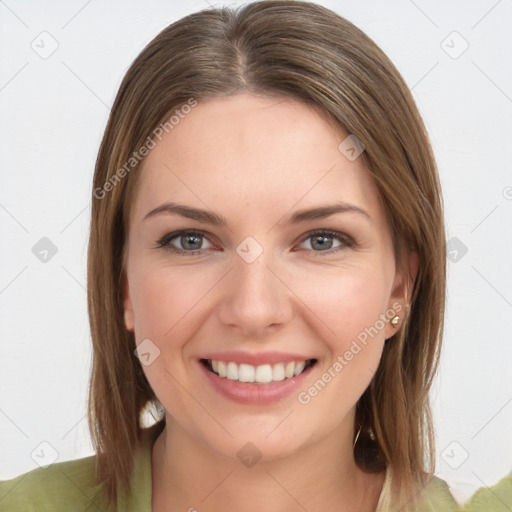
{"x": 253, "y": 152}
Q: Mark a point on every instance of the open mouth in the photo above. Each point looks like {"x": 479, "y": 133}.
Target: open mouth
{"x": 262, "y": 374}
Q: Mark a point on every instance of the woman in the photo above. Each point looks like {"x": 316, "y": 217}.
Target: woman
{"x": 266, "y": 267}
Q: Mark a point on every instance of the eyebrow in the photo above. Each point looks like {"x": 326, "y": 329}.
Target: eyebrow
{"x": 209, "y": 217}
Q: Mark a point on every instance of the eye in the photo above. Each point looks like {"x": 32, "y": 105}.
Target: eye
{"x": 325, "y": 240}
{"x": 188, "y": 241}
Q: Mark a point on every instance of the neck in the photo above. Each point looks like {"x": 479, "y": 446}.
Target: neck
{"x": 190, "y": 476}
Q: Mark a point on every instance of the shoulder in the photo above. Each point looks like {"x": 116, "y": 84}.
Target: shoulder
{"x": 73, "y": 486}
{"x": 54, "y": 488}
{"x": 436, "y": 496}
{"x": 497, "y": 498}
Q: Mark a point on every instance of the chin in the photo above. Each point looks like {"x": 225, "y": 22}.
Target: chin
{"x": 261, "y": 442}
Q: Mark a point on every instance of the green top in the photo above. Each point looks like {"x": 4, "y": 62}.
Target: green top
{"x": 492, "y": 499}
{"x": 72, "y": 487}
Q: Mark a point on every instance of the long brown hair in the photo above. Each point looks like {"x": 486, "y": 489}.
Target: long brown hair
{"x": 303, "y": 51}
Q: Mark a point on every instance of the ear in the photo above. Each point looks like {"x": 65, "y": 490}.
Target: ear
{"x": 128, "y": 309}
{"x": 399, "y": 301}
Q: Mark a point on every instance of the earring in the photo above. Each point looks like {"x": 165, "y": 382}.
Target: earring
{"x": 126, "y": 321}
{"x": 357, "y": 436}
{"x": 394, "y": 320}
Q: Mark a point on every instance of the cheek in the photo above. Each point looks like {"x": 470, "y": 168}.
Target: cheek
{"x": 338, "y": 309}
{"x": 169, "y": 308}
{"x": 345, "y": 302}
{"x": 348, "y": 309}
{"x": 166, "y": 302}
{"x": 166, "y": 299}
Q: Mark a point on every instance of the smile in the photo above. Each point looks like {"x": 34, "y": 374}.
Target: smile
{"x": 262, "y": 374}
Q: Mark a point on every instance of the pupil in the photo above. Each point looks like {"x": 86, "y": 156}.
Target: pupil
{"x": 325, "y": 243}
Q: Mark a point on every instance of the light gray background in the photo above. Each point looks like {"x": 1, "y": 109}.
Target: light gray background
{"x": 53, "y": 110}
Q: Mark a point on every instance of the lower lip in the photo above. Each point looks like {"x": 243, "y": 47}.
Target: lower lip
{"x": 255, "y": 394}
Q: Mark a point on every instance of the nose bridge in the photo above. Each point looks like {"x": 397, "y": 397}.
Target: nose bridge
{"x": 254, "y": 282}
{"x": 256, "y": 298}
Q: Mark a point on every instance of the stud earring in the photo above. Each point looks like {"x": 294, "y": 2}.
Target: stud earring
{"x": 126, "y": 321}
{"x": 394, "y": 320}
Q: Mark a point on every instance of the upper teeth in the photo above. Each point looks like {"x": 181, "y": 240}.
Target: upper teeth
{"x": 262, "y": 374}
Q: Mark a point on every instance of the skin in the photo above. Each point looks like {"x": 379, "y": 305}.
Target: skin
{"x": 254, "y": 160}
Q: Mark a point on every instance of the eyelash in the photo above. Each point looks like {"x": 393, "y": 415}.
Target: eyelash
{"x": 165, "y": 241}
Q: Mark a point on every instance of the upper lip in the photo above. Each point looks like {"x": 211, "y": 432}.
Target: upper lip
{"x": 255, "y": 358}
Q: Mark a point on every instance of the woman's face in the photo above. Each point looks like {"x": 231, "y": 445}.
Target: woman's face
{"x": 258, "y": 283}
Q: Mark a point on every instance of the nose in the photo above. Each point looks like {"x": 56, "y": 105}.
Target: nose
{"x": 256, "y": 300}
